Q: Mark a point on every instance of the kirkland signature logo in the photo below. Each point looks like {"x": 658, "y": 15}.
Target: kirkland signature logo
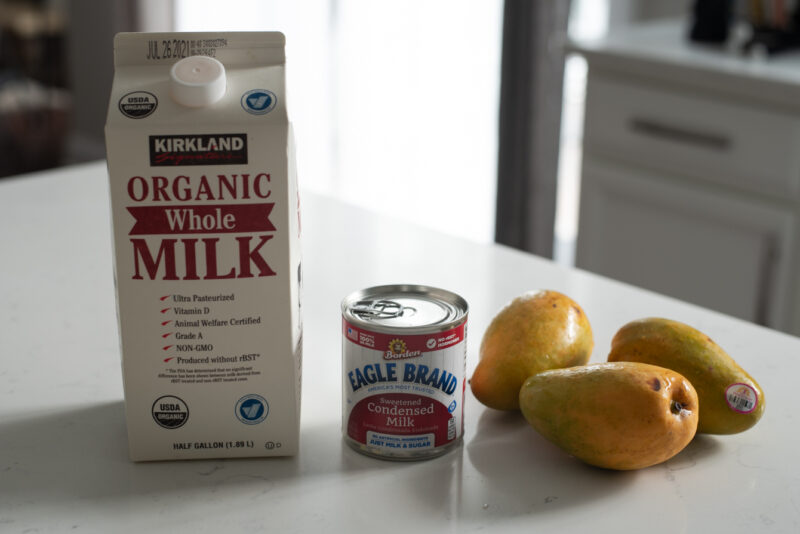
{"x": 202, "y": 149}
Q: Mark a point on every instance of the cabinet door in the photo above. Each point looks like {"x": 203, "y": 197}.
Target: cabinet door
{"x": 701, "y": 245}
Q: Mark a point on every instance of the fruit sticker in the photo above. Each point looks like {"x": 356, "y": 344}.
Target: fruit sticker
{"x": 741, "y": 398}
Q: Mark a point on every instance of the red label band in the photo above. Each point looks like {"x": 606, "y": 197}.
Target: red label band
{"x": 397, "y": 347}
{"x": 401, "y": 414}
{"x": 203, "y": 219}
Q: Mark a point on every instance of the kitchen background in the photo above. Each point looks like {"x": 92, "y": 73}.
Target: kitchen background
{"x": 467, "y": 117}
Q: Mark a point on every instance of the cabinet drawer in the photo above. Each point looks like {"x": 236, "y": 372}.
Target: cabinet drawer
{"x": 716, "y": 250}
{"x": 729, "y": 142}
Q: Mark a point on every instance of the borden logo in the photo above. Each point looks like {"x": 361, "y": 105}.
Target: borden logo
{"x": 200, "y": 149}
{"x": 398, "y": 351}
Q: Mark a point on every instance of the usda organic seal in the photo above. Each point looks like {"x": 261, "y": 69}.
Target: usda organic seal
{"x": 138, "y": 105}
{"x": 170, "y": 412}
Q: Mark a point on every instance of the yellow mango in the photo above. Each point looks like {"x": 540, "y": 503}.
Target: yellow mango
{"x": 731, "y": 400}
{"x": 613, "y": 415}
{"x": 537, "y": 331}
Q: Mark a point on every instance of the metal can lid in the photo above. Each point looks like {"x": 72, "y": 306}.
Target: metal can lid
{"x": 414, "y": 309}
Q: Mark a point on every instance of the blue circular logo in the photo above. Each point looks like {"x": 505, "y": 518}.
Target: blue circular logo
{"x": 259, "y": 101}
{"x": 452, "y": 407}
{"x": 252, "y": 409}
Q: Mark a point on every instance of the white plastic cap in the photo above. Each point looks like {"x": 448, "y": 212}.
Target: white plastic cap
{"x": 197, "y": 81}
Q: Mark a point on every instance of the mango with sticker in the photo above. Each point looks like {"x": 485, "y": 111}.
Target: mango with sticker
{"x": 731, "y": 400}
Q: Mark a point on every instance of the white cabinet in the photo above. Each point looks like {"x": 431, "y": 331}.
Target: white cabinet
{"x": 691, "y": 175}
{"x": 701, "y": 246}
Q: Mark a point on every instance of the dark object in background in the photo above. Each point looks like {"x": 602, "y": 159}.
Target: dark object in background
{"x": 774, "y": 34}
{"x": 33, "y": 125}
{"x": 711, "y": 21}
{"x": 34, "y": 101}
{"x": 773, "y": 29}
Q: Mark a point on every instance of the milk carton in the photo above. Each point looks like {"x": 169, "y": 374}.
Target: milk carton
{"x": 206, "y": 235}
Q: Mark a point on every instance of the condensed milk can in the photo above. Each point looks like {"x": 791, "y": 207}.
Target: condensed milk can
{"x": 403, "y": 363}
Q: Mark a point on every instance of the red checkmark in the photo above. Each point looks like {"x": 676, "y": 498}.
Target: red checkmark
{"x": 165, "y": 310}
{"x": 167, "y": 334}
{"x": 166, "y": 348}
{"x": 168, "y": 359}
{"x": 165, "y": 297}
{"x": 165, "y": 323}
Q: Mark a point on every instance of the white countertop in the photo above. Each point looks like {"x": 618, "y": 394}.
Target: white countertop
{"x": 63, "y": 448}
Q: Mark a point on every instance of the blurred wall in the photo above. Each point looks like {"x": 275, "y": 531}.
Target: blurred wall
{"x": 90, "y": 42}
